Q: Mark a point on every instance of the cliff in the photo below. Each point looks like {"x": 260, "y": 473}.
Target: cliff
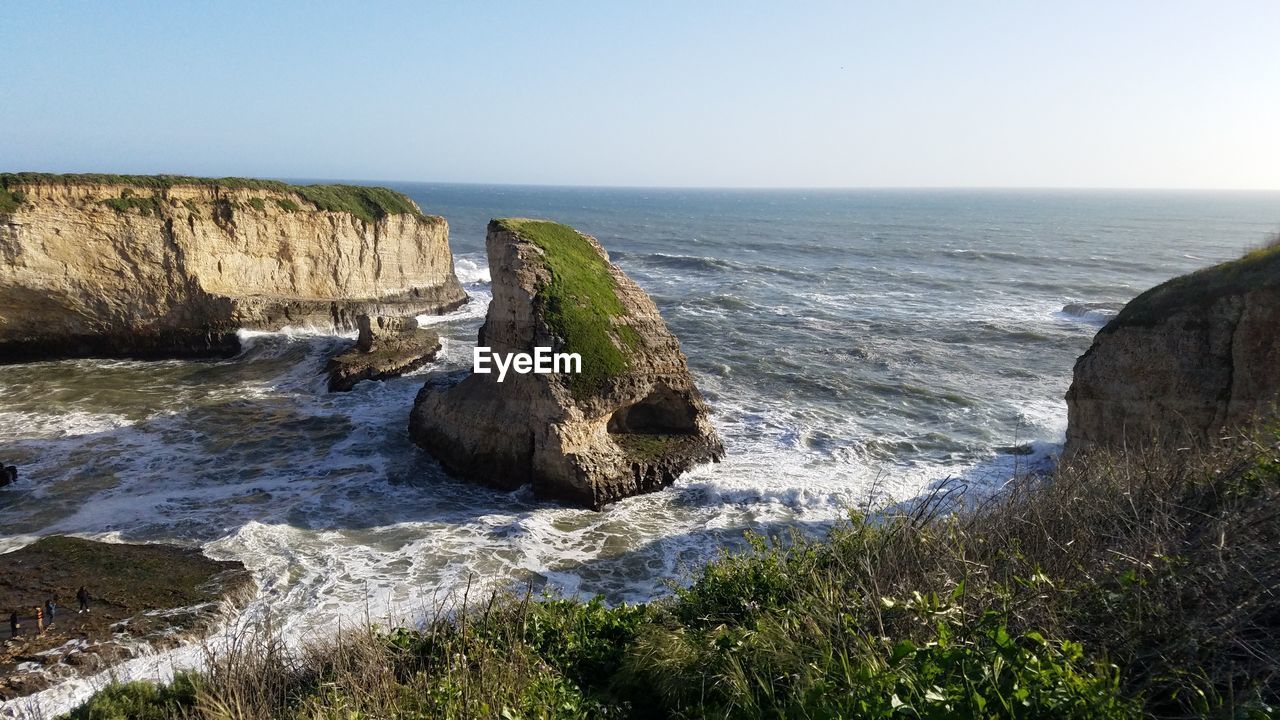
{"x": 628, "y": 423}
{"x": 140, "y": 266}
{"x": 1183, "y": 362}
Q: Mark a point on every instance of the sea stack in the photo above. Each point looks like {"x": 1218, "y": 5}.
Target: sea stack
{"x": 386, "y": 347}
{"x": 165, "y": 266}
{"x": 630, "y": 422}
{"x": 1186, "y": 362}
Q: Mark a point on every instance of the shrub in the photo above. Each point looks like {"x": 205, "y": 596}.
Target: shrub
{"x": 9, "y": 201}
{"x": 125, "y": 203}
{"x": 141, "y": 700}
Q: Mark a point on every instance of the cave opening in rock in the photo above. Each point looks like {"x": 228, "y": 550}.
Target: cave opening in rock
{"x": 661, "y": 412}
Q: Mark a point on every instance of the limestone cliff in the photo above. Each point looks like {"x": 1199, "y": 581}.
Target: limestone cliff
{"x": 629, "y": 423}
{"x": 1186, "y": 361}
{"x": 169, "y": 266}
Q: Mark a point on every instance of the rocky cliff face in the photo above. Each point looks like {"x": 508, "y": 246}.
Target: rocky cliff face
{"x": 169, "y": 267}
{"x": 629, "y": 423}
{"x": 1187, "y": 361}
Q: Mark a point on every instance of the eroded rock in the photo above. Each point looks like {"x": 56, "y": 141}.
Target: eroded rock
{"x": 171, "y": 267}
{"x": 386, "y": 347}
{"x": 1185, "y": 362}
{"x": 629, "y": 423}
{"x": 140, "y": 595}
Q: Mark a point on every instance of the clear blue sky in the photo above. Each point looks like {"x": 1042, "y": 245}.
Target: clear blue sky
{"x": 1165, "y": 93}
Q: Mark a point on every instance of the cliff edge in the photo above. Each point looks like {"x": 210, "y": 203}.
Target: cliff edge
{"x": 629, "y": 422}
{"x": 165, "y": 266}
{"x": 1186, "y": 361}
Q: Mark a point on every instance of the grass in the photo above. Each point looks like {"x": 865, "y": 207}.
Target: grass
{"x": 367, "y": 203}
{"x": 144, "y": 205}
{"x": 1141, "y": 585}
{"x": 9, "y": 201}
{"x": 1201, "y": 289}
{"x": 580, "y": 304}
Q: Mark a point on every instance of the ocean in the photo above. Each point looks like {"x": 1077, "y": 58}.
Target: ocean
{"x": 857, "y": 347}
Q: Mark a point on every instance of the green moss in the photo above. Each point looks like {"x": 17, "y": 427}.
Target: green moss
{"x": 1255, "y": 271}
{"x": 367, "y": 203}
{"x": 580, "y": 304}
{"x": 258, "y": 204}
{"x": 649, "y": 447}
{"x": 287, "y": 205}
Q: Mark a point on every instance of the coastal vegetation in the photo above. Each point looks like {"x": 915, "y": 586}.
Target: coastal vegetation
{"x": 580, "y": 303}
{"x": 9, "y": 200}
{"x": 1256, "y": 270}
{"x": 367, "y": 203}
{"x": 1123, "y": 585}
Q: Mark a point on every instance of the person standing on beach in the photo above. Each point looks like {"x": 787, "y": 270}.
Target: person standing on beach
{"x": 82, "y": 597}
{"x": 39, "y": 619}
{"x": 13, "y": 624}
{"x": 50, "y": 609}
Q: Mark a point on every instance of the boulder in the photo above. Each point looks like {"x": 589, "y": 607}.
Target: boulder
{"x": 8, "y": 474}
{"x": 387, "y": 347}
{"x": 1186, "y": 362}
{"x": 630, "y": 422}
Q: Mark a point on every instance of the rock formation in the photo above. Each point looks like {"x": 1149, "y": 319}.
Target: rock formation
{"x": 166, "y": 266}
{"x": 628, "y": 423}
{"x": 387, "y": 347}
{"x": 1186, "y": 361}
{"x": 141, "y": 596}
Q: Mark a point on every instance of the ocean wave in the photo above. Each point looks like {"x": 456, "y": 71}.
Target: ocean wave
{"x": 471, "y": 271}
{"x": 1094, "y": 313}
{"x": 677, "y": 262}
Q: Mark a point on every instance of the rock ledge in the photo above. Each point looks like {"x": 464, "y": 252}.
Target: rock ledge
{"x": 397, "y": 346}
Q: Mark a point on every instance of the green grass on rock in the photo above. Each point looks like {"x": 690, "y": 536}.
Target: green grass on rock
{"x": 581, "y": 303}
{"x": 1255, "y": 271}
{"x": 367, "y": 203}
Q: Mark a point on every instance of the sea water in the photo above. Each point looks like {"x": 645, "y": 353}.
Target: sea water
{"x": 856, "y": 348}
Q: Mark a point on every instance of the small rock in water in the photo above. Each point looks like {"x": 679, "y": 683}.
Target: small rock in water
{"x": 8, "y": 475}
{"x": 381, "y": 327}
{"x": 387, "y": 347}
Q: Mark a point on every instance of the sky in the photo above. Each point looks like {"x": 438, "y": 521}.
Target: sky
{"x": 896, "y": 93}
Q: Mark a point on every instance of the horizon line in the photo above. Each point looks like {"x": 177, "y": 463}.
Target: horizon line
{"x": 774, "y": 188}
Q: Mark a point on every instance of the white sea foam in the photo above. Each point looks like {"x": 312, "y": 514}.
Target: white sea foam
{"x": 471, "y": 270}
{"x": 75, "y": 423}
